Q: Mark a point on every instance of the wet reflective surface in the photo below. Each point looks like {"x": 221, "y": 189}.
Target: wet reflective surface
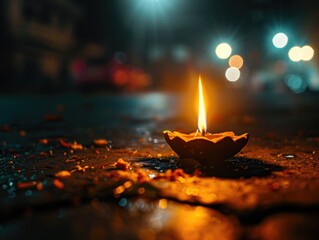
{"x": 52, "y": 187}
{"x": 140, "y": 219}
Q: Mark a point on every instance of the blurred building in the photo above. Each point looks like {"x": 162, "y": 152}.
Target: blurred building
{"x": 37, "y": 39}
{"x": 141, "y": 44}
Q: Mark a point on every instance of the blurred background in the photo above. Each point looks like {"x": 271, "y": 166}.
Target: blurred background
{"x": 251, "y": 46}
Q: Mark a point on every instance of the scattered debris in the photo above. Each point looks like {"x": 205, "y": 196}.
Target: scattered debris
{"x": 72, "y": 158}
{"x": 30, "y": 184}
{"x": 39, "y": 186}
{"x": 62, "y": 174}
{"x": 81, "y": 169}
{"x": 289, "y": 156}
{"x": 44, "y": 141}
{"x": 100, "y": 142}
{"x": 172, "y": 175}
{"x": 274, "y": 186}
{"x": 58, "y": 184}
{"x": 142, "y": 176}
{"x": 121, "y": 164}
{"x": 74, "y": 145}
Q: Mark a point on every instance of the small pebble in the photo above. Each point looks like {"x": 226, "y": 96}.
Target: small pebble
{"x": 289, "y": 156}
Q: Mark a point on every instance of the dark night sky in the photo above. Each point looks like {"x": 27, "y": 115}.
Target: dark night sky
{"x": 193, "y": 23}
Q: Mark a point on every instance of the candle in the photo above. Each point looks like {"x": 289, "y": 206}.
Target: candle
{"x": 209, "y": 149}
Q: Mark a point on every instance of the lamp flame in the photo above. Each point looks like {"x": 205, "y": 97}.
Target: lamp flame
{"x": 202, "y": 126}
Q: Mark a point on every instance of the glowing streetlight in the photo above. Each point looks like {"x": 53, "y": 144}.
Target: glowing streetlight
{"x": 236, "y": 61}
{"x": 304, "y": 53}
{"x": 307, "y": 53}
{"x": 223, "y": 50}
{"x": 232, "y": 74}
{"x": 295, "y": 54}
{"x": 280, "y": 40}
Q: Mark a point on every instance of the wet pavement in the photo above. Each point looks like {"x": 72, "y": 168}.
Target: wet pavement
{"x": 57, "y": 181}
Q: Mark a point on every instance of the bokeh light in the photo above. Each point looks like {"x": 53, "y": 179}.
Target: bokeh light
{"x": 295, "y": 54}
{"x": 296, "y": 83}
{"x": 180, "y": 53}
{"x": 223, "y": 50}
{"x": 236, "y": 61}
{"x": 280, "y": 67}
{"x": 280, "y": 40}
{"x": 232, "y": 74}
{"x": 313, "y": 82}
{"x": 307, "y": 53}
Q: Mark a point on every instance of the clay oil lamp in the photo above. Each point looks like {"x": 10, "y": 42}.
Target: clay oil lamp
{"x": 207, "y": 149}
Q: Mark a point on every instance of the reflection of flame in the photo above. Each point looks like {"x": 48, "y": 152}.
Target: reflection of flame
{"x": 202, "y": 127}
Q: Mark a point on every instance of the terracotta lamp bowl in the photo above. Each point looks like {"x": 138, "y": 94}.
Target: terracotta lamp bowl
{"x": 208, "y": 150}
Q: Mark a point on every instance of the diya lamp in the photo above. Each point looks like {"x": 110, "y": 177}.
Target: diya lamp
{"x": 206, "y": 149}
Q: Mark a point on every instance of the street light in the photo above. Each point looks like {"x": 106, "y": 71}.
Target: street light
{"x": 280, "y": 40}
{"x": 304, "y": 53}
{"x": 223, "y": 50}
{"x": 307, "y": 53}
{"x": 236, "y": 61}
{"x": 232, "y": 74}
{"x": 295, "y": 54}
